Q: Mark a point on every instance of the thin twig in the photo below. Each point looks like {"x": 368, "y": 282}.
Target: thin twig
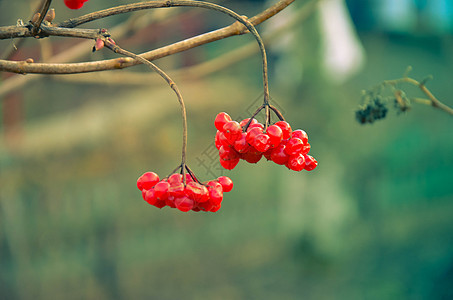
{"x": 434, "y": 102}
{"x": 115, "y": 48}
{"x": 37, "y": 24}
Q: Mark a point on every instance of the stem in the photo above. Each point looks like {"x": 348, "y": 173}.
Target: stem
{"x": 42, "y": 15}
{"x": 115, "y": 48}
{"x": 434, "y": 102}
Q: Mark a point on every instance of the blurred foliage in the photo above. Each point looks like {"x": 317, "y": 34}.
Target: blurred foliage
{"x": 373, "y": 221}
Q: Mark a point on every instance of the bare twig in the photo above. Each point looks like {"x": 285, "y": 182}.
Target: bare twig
{"x": 434, "y": 102}
{"x": 115, "y": 48}
{"x": 42, "y": 15}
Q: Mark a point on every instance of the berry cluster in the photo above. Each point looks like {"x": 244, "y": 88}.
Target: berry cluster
{"x": 193, "y": 195}
{"x": 74, "y": 4}
{"x": 375, "y": 110}
{"x": 278, "y": 143}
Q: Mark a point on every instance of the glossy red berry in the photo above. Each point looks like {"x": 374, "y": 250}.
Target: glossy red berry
{"x": 221, "y": 119}
{"x": 161, "y": 190}
{"x": 255, "y": 125}
{"x": 296, "y": 162}
{"x": 261, "y": 142}
{"x": 147, "y": 180}
{"x": 232, "y": 131}
{"x": 241, "y": 145}
{"x": 310, "y": 163}
{"x": 226, "y": 183}
{"x": 275, "y": 134}
{"x": 294, "y": 146}
{"x": 74, "y": 4}
{"x": 252, "y": 157}
{"x": 174, "y": 178}
{"x": 150, "y": 197}
{"x": 279, "y": 155}
{"x": 228, "y": 153}
{"x": 184, "y": 203}
{"x": 229, "y": 164}
{"x": 215, "y": 192}
{"x": 252, "y": 133}
{"x": 300, "y": 134}
{"x": 286, "y": 129}
{"x": 245, "y": 121}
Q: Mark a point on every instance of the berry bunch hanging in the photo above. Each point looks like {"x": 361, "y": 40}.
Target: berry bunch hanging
{"x": 250, "y": 140}
{"x": 192, "y": 195}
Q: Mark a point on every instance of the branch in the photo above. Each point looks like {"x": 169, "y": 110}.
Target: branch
{"x": 120, "y": 63}
{"x": 433, "y": 101}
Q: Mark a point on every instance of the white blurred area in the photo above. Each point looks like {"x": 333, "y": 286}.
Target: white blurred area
{"x": 342, "y": 52}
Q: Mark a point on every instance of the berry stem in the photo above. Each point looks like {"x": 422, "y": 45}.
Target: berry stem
{"x": 277, "y": 112}
{"x": 115, "y": 48}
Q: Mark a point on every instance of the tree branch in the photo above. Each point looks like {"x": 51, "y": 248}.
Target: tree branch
{"x": 120, "y": 63}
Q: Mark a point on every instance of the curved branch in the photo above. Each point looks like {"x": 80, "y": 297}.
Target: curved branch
{"x": 434, "y": 102}
{"x": 120, "y": 63}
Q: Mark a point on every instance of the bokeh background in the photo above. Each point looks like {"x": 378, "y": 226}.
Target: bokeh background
{"x": 373, "y": 221}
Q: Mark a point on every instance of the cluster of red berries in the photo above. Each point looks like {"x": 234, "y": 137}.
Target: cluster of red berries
{"x": 74, "y": 4}
{"x": 193, "y": 195}
{"x": 278, "y": 143}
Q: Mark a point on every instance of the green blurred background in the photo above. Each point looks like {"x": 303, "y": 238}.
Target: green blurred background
{"x": 373, "y": 221}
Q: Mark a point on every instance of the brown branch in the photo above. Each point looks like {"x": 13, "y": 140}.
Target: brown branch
{"x": 434, "y": 102}
{"x": 120, "y": 63}
{"x": 15, "y": 82}
{"x": 42, "y": 15}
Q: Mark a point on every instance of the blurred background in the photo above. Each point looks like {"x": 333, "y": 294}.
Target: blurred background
{"x": 373, "y": 221}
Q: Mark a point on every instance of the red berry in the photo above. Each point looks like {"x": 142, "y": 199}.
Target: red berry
{"x": 305, "y": 148}
{"x": 300, "y": 134}
{"x": 286, "y": 129}
{"x": 252, "y": 157}
{"x": 310, "y": 162}
{"x": 174, "y": 179}
{"x": 279, "y": 155}
{"x": 252, "y": 133}
{"x": 223, "y": 140}
{"x": 268, "y": 154}
{"x": 296, "y": 162}
{"x": 261, "y": 142}
{"x": 196, "y": 192}
{"x": 206, "y": 206}
{"x": 294, "y": 146}
{"x": 232, "y": 131}
{"x": 228, "y": 153}
{"x": 74, "y": 4}
{"x": 217, "y": 140}
{"x": 170, "y": 201}
{"x": 215, "y": 208}
{"x": 161, "y": 190}
{"x": 184, "y": 203}
{"x": 255, "y": 125}
{"x": 245, "y": 121}
{"x": 275, "y": 134}
{"x": 147, "y": 180}
{"x": 176, "y": 189}
{"x": 241, "y": 145}
{"x": 229, "y": 164}
{"x": 221, "y": 119}
{"x": 215, "y": 192}
{"x": 150, "y": 197}
{"x": 226, "y": 183}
